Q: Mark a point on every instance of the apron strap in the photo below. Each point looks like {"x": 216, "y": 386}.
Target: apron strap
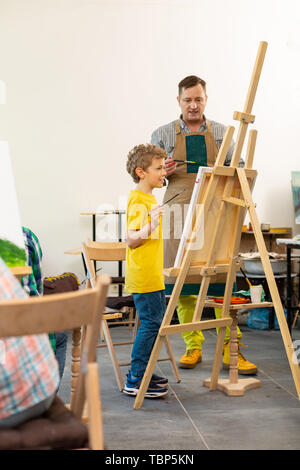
{"x": 208, "y": 126}
{"x": 178, "y": 129}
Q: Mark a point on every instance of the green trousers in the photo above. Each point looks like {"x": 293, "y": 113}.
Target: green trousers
{"x": 185, "y": 310}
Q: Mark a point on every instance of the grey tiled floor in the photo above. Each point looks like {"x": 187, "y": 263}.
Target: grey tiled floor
{"x": 191, "y": 417}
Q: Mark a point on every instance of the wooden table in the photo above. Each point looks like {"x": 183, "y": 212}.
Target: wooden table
{"x": 233, "y": 386}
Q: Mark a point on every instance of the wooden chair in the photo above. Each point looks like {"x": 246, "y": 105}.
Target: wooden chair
{"x": 296, "y": 316}
{"x": 109, "y": 251}
{"x": 115, "y": 251}
{"x": 59, "y": 427}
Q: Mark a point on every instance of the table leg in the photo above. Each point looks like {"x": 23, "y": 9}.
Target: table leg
{"x": 120, "y": 270}
{"x": 84, "y": 265}
{"x": 94, "y": 227}
{"x": 94, "y": 237}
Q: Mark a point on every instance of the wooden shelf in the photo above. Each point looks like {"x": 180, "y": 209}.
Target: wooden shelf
{"x": 248, "y": 305}
{"x": 248, "y": 243}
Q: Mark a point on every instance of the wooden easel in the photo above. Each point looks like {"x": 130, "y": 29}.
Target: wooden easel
{"x": 225, "y": 198}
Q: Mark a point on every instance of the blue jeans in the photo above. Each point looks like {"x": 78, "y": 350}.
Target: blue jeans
{"x": 61, "y": 339}
{"x": 151, "y": 308}
{"x": 23, "y": 416}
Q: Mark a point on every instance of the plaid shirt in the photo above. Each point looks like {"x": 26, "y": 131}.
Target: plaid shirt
{"x": 28, "y": 368}
{"x": 165, "y": 136}
{"x": 33, "y": 283}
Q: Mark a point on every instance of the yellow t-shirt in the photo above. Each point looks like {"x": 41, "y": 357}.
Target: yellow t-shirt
{"x": 144, "y": 264}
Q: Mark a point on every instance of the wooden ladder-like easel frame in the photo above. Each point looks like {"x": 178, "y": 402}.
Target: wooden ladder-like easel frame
{"x": 236, "y": 186}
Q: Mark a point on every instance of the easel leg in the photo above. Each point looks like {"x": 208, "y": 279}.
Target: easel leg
{"x": 149, "y": 371}
{"x": 213, "y": 381}
{"x": 284, "y": 330}
{"x": 172, "y": 359}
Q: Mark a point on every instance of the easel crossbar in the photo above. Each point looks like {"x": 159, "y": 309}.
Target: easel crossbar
{"x": 200, "y": 270}
{"x": 195, "y": 326}
{"x": 230, "y": 171}
{"x": 236, "y": 201}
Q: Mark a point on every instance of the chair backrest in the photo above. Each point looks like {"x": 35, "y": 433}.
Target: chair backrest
{"x": 101, "y": 251}
{"x": 57, "y": 312}
{"x": 108, "y": 251}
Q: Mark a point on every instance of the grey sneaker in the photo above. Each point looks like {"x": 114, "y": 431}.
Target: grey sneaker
{"x": 160, "y": 381}
{"x": 154, "y": 391}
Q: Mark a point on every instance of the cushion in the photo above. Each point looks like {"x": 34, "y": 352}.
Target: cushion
{"x": 116, "y": 303}
{"x": 63, "y": 283}
{"x": 57, "y": 428}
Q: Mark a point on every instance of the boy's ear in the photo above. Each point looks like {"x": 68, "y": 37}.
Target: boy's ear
{"x": 140, "y": 172}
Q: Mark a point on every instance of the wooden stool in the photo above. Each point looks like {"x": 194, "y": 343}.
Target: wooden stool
{"x": 233, "y": 386}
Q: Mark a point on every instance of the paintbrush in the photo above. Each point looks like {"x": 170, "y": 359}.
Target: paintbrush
{"x": 244, "y": 274}
{"x": 184, "y": 161}
{"x": 173, "y": 197}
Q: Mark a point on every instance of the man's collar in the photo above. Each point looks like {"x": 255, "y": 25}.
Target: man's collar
{"x": 183, "y": 125}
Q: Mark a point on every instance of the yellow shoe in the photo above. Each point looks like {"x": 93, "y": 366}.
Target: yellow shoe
{"x": 244, "y": 367}
{"x": 190, "y": 359}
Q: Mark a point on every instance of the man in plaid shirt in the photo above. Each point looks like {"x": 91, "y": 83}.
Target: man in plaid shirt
{"x": 29, "y": 375}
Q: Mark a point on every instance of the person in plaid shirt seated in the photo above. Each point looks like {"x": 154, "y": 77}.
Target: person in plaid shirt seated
{"x": 29, "y": 375}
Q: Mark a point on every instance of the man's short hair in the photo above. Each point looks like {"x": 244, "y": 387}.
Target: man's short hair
{"x": 190, "y": 81}
{"x": 141, "y": 156}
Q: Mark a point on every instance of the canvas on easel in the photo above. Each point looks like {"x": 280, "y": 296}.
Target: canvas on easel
{"x": 224, "y": 203}
{"x": 200, "y": 182}
{"x": 12, "y": 247}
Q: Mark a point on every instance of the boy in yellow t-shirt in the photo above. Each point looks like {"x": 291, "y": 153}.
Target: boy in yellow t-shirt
{"x": 144, "y": 262}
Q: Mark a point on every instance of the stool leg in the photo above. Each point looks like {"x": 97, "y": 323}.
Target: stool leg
{"x": 233, "y": 386}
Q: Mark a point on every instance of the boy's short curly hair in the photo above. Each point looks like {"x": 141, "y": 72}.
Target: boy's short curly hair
{"x": 141, "y": 156}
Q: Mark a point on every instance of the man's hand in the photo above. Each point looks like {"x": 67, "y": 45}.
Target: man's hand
{"x": 155, "y": 214}
{"x": 170, "y": 166}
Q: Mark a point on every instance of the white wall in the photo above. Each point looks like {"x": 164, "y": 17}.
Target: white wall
{"x": 86, "y": 80}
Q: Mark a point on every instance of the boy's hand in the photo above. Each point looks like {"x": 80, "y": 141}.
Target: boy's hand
{"x": 170, "y": 166}
{"x": 155, "y": 214}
